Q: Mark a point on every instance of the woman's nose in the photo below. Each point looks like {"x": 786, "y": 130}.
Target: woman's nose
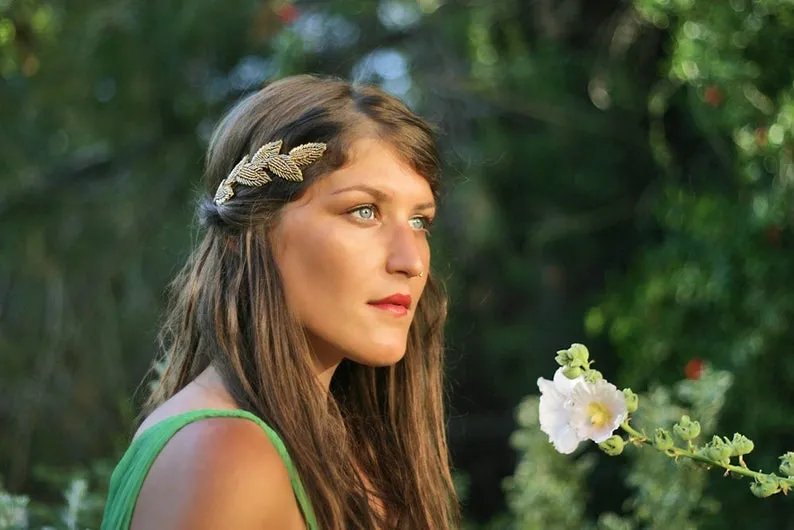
{"x": 405, "y": 256}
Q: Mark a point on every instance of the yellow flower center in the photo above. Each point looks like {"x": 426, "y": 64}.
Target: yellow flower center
{"x": 599, "y": 414}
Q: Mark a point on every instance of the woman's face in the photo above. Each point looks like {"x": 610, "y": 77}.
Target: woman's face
{"x": 354, "y": 256}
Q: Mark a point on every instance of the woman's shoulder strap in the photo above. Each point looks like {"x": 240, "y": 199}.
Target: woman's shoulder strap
{"x": 128, "y": 477}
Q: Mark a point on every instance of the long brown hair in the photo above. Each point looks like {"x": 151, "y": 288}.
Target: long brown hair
{"x": 228, "y": 310}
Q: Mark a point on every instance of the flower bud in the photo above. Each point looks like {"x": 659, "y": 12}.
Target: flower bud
{"x": 687, "y": 429}
{"x": 563, "y": 358}
{"x": 632, "y": 401}
{"x": 765, "y": 486}
{"x": 787, "y": 464}
{"x": 576, "y": 355}
{"x": 593, "y": 376}
{"x": 741, "y": 445}
{"x": 719, "y": 451}
{"x": 613, "y": 445}
{"x": 572, "y": 372}
{"x": 580, "y": 355}
{"x": 662, "y": 440}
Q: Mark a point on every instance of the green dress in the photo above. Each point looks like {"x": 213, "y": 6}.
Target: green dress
{"x": 127, "y": 479}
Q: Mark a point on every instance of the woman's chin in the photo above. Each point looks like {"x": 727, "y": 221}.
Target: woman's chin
{"x": 379, "y": 357}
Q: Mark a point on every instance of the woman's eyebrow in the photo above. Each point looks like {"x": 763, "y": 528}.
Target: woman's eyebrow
{"x": 379, "y": 195}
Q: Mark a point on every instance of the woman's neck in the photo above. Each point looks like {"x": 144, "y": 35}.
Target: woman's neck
{"x": 212, "y": 386}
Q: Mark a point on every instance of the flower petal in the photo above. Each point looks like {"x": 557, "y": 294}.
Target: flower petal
{"x": 564, "y": 384}
{"x": 552, "y": 411}
{"x": 566, "y": 440}
{"x": 555, "y": 410}
{"x": 598, "y": 410}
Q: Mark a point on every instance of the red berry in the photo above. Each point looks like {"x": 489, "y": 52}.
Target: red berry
{"x": 761, "y": 136}
{"x": 288, "y": 14}
{"x": 694, "y": 368}
{"x": 772, "y": 234}
{"x": 713, "y": 96}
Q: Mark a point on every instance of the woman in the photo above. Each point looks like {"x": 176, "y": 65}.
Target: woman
{"x": 303, "y": 379}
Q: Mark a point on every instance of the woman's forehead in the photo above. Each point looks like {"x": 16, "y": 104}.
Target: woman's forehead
{"x": 375, "y": 165}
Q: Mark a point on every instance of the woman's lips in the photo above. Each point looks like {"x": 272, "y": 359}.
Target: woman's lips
{"x": 397, "y": 304}
{"x": 395, "y": 309}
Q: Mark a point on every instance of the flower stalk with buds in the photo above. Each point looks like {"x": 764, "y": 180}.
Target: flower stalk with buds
{"x": 579, "y": 405}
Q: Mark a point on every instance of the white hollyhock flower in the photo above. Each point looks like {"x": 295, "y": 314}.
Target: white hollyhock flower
{"x": 598, "y": 409}
{"x": 574, "y": 410}
{"x": 556, "y": 407}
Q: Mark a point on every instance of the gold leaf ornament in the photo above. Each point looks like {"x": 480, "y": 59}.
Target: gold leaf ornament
{"x": 266, "y": 162}
{"x": 306, "y": 154}
{"x": 265, "y": 154}
{"x": 285, "y": 168}
{"x": 224, "y": 192}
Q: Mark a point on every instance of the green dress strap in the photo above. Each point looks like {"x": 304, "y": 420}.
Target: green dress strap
{"x": 128, "y": 476}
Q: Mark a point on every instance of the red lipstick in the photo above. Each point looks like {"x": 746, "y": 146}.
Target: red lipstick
{"x": 398, "y": 304}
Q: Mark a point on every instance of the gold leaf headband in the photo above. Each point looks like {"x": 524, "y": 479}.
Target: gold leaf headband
{"x": 267, "y": 158}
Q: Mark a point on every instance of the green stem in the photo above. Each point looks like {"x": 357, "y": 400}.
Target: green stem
{"x": 677, "y": 452}
{"x": 633, "y": 432}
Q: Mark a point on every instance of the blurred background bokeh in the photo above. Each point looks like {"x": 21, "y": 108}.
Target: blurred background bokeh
{"x": 619, "y": 173}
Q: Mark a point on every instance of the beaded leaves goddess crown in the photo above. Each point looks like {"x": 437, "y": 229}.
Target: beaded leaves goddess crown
{"x": 266, "y": 163}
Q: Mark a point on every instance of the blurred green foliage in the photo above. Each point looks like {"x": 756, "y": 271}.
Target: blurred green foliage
{"x": 716, "y": 282}
{"x": 616, "y": 168}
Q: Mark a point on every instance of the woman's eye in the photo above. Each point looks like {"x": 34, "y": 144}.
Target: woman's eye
{"x": 420, "y": 223}
{"x": 365, "y": 213}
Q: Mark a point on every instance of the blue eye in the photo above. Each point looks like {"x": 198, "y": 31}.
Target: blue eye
{"x": 364, "y": 213}
{"x": 421, "y": 223}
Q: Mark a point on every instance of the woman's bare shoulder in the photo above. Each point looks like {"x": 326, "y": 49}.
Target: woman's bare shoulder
{"x": 218, "y": 473}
